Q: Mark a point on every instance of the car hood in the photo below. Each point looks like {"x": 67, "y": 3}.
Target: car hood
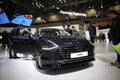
{"x": 69, "y": 41}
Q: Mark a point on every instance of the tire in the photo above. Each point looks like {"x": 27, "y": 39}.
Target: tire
{"x": 37, "y": 63}
{"x": 38, "y": 59}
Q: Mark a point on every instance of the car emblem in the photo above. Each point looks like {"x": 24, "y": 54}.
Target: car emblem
{"x": 77, "y": 48}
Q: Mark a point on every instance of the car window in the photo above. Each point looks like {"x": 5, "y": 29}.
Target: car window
{"x": 52, "y": 33}
{"x": 63, "y": 33}
{"x": 21, "y": 32}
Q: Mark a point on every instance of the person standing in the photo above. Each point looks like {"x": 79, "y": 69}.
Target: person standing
{"x": 69, "y": 30}
{"x": 80, "y": 33}
{"x": 74, "y": 32}
{"x": 73, "y": 29}
{"x": 109, "y": 34}
{"x": 102, "y": 37}
{"x": 86, "y": 33}
{"x": 115, "y": 33}
{"x": 92, "y": 31}
{"x": 64, "y": 27}
{"x": 28, "y": 33}
{"x": 14, "y": 32}
{"x": 4, "y": 40}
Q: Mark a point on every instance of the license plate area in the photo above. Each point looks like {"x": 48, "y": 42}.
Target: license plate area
{"x": 78, "y": 54}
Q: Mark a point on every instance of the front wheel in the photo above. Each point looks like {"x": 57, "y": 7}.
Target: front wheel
{"x": 38, "y": 59}
{"x": 37, "y": 63}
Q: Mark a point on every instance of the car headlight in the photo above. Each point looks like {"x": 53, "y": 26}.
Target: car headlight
{"x": 49, "y": 45}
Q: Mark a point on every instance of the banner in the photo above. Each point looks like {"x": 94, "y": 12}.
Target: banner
{"x": 25, "y": 20}
{"x": 3, "y": 17}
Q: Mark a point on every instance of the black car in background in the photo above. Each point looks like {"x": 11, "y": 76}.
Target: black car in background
{"x": 54, "y": 48}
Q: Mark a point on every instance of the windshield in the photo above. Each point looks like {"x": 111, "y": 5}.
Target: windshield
{"x": 53, "y": 33}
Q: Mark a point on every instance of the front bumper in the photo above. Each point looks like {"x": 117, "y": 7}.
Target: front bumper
{"x": 59, "y": 58}
{"x": 56, "y": 64}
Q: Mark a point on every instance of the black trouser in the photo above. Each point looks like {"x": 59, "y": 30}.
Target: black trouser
{"x": 118, "y": 57}
{"x": 11, "y": 52}
{"x": 4, "y": 44}
{"x": 92, "y": 39}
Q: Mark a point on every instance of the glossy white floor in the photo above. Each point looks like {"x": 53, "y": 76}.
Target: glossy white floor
{"x": 100, "y": 69}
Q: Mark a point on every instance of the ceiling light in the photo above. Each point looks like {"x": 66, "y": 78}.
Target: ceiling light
{"x": 67, "y": 17}
{"x": 42, "y": 6}
{"x": 39, "y": 6}
{"x": 89, "y": 7}
{"x": 43, "y": 21}
{"x": 61, "y": 1}
{"x": 70, "y": 10}
{"x": 92, "y": 6}
{"x": 57, "y": 8}
{"x": 116, "y": 2}
{"x": 0, "y": 2}
{"x": 110, "y": 8}
{"x": 65, "y": 1}
{"x": 33, "y": 3}
{"x": 53, "y": 6}
{"x": 36, "y": 3}
{"x": 101, "y": 4}
{"x": 96, "y": 15}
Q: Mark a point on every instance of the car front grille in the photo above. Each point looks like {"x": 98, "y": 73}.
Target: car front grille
{"x": 66, "y": 51}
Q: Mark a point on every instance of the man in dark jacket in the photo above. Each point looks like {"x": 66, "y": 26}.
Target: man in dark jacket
{"x": 69, "y": 30}
{"x": 14, "y": 32}
{"x": 115, "y": 32}
{"x": 92, "y": 31}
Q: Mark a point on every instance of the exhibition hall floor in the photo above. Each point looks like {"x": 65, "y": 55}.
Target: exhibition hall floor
{"x": 25, "y": 69}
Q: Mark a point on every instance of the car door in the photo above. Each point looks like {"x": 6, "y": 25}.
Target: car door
{"x": 24, "y": 44}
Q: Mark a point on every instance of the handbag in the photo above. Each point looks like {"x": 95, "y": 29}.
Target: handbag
{"x": 117, "y": 48}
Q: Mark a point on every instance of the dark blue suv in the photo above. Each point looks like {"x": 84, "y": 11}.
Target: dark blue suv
{"x": 54, "y": 48}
